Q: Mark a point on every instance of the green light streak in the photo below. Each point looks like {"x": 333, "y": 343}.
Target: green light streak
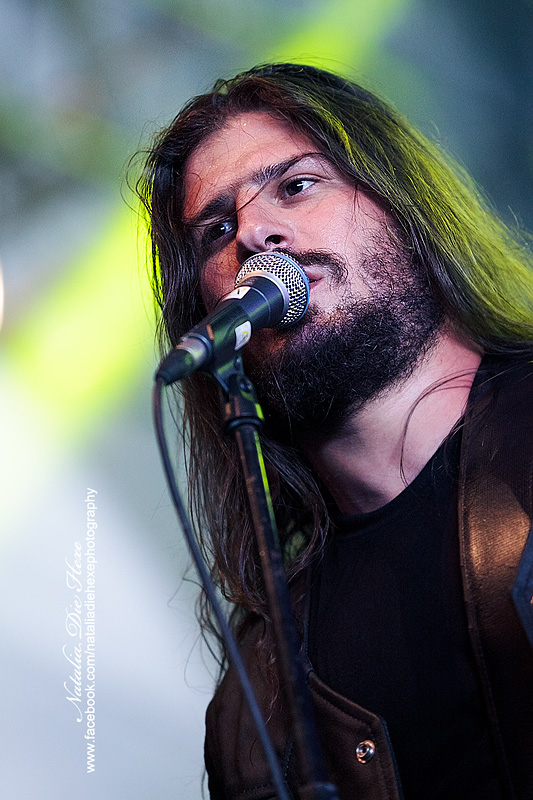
{"x": 80, "y": 347}
{"x": 342, "y": 35}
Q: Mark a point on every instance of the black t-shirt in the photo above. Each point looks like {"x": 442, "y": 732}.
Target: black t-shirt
{"x": 388, "y": 631}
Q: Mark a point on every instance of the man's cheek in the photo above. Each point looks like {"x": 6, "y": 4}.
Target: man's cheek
{"x": 212, "y": 290}
{"x": 218, "y": 280}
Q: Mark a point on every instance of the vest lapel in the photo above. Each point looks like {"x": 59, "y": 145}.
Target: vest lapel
{"x": 495, "y": 509}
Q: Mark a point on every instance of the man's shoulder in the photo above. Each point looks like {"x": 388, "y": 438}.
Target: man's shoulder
{"x": 257, "y": 647}
{"x": 499, "y": 405}
{"x": 234, "y": 757}
{"x": 253, "y": 646}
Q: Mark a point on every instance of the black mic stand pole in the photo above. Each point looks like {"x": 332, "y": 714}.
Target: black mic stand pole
{"x": 242, "y": 417}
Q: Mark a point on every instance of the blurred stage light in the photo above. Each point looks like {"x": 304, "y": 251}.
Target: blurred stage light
{"x": 78, "y": 349}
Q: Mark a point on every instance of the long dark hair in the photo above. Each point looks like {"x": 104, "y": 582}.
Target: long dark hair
{"x": 479, "y": 270}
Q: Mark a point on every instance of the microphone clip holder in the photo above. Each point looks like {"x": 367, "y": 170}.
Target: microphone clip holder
{"x": 239, "y": 404}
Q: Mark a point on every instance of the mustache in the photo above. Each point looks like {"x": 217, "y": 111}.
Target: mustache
{"x": 333, "y": 262}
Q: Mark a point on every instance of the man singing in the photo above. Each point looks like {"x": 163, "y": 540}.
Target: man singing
{"x": 398, "y": 436}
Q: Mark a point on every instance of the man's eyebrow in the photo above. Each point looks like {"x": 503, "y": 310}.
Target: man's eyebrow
{"x": 224, "y": 204}
{"x": 221, "y": 206}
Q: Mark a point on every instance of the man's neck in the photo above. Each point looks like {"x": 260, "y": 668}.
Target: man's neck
{"x": 385, "y": 444}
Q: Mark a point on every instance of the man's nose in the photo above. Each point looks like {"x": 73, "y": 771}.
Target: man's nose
{"x": 262, "y": 228}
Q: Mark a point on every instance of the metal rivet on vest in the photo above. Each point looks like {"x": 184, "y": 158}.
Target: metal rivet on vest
{"x": 365, "y": 751}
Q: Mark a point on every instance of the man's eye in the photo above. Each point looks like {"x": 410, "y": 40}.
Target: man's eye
{"x": 217, "y": 230}
{"x": 297, "y": 185}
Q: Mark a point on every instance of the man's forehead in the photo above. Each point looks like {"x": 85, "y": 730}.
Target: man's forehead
{"x": 247, "y": 151}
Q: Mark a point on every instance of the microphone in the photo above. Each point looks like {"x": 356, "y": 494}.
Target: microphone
{"x": 271, "y": 291}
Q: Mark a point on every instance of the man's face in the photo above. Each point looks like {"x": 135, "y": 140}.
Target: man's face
{"x": 257, "y": 185}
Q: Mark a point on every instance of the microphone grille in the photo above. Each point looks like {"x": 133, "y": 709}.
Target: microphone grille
{"x": 290, "y": 273}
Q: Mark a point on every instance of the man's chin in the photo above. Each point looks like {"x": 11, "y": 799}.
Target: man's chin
{"x": 310, "y": 379}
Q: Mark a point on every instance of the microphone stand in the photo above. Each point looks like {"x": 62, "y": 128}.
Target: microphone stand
{"x": 242, "y": 417}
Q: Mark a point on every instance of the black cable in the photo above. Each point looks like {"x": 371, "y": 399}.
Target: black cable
{"x": 210, "y": 591}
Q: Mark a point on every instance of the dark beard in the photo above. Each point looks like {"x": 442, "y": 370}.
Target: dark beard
{"x": 331, "y": 365}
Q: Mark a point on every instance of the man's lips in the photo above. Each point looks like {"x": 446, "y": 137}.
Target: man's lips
{"x": 313, "y": 275}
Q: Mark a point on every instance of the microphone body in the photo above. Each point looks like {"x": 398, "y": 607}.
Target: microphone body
{"x": 271, "y": 290}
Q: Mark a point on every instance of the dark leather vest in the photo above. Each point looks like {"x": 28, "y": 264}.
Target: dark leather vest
{"x": 495, "y": 512}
